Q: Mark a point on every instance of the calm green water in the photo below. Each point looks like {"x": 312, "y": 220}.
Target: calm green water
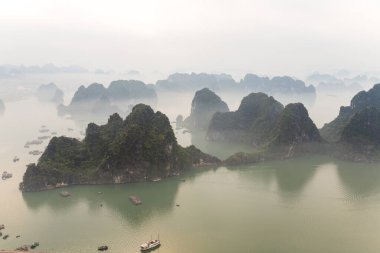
{"x": 313, "y": 204}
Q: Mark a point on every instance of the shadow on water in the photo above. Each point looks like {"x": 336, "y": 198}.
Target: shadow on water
{"x": 292, "y": 179}
{"x": 158, "y": 198}
{"x": 288, "y": 178}
{"x": 359, "y": 180}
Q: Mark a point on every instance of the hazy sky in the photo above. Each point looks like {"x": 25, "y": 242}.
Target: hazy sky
{"x": 292, "y": 37}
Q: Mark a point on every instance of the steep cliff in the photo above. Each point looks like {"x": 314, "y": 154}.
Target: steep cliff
{"x": 251, "y": 123}
{"x": 141, "y": 147}
{"x": 204, "y": 105}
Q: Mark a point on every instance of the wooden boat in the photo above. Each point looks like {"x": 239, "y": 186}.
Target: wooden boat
{"x": 103, "y": 248}
{"x": 34, "y": 245}
{"x": 65, "y": 194}
{"x": 135, "y": 200}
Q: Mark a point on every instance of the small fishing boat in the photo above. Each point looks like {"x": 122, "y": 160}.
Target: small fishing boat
{"x": 34, "y": 245}
{"x": 151, "y": 245}
{"x": 16, "y": 159}
{"x": 6, "y": 175}
{"x": 65, "y": 194}
{"x": 23, "y": 248}
{"x": 135, "y": 200}
{"x": 103, "y": 248}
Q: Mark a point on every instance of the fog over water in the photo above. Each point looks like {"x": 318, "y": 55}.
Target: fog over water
{"x": 310, "y": 203}
{"x": 293, "y": 37}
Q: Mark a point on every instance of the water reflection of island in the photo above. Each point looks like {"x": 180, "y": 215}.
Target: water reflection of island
{"x": 158, "y": 199}
{"x": 286, "y": 178}
{"x": 359, "y": 181}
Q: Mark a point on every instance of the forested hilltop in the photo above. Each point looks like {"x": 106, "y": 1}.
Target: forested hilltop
{"x": 141, "y": 147}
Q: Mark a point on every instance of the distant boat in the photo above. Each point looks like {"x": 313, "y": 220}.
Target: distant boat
{"x": 65, "y": 194}
{"x": 45, "y": 137}
{"x": 16, "y": 159}
{"x": 35, "y": 152}
{"x": 151, "y": 245}
{"x": 34, "y": 142}
{"x": 6, "y": 175}
{"x": 102, "y": 248}
{"x": 34, "y": 245}
{"x": 157, "y": 179}
{"x": 135, "y": 200}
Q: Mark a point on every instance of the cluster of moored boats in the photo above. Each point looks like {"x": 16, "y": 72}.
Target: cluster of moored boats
{"x": 26, "y": 247}
{"x": 145, "y": 247}
{"x": 35, "y": 152}
{"x": 39, "y": 139}
{"x": 21, "y": 248}
{"x": 6, "y": 175}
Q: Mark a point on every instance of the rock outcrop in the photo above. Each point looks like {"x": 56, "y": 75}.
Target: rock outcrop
{"x": 251, "y": 123}
{"x": 139, "y": 148}
{"x": 50, "y": 93}
{"x": 204, "y": 105}
{"x": 116, "y": 98}
{"x": 365, "y": 99}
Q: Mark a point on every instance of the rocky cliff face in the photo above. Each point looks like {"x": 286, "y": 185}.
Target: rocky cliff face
{"x": 182, "y": 82}
{"x": 294, "y": 131}
{"x": 141, "y": 147}
{"x": 251, "y": 123}
{"x": 97, "y": 99}
{"x": 365, "y": 99}
{"x": 360, "y": 138}
{"x": 363, "y": 127}
{"x": 50, "y": 93}
{"x": 204, "y": 105}
{"x": 295, "y": 126}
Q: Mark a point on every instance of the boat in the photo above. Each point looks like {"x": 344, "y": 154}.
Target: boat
{"x": 23, "y": 248}
{"x": 103, "y": 248}
{"x": 6, "y": 175}
{"x": 35, "y": 152}
{"x": 45, "y": 137}
{"x": 135, "y": 200}
{"x": 157, "y": 179}
{"x": 2, "y": 226}
{"x": 65, "y": 194}
{"x": 34, "y": 245}
{"x": 44, "y": 130}
{"x": 33, "y": 142}
{"x": 16, "y": 159}
{"x": 151, "y": 245}
{"x": 5, "y": 237}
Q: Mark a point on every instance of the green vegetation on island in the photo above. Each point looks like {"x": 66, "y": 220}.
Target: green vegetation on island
{"x": 252, "y": 123}
{"x": 364, "y": 99}
{"x": 141, "y": 147}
